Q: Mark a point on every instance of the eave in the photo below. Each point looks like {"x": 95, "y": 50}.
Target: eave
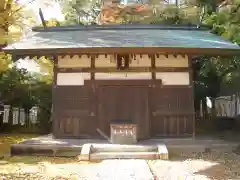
{"x": 123, "y": 50}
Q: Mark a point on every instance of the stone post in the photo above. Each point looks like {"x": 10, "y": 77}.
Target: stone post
{"x": 6, "y": 113}
{"x": 22, "y": 116}
{"x": 33, "y": 114}
{"x": 15, "y": 117}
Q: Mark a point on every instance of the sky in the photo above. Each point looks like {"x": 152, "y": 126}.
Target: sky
{"x": 52, "y": 11}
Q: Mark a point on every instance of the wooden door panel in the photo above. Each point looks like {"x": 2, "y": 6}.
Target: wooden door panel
{"x": 124, "y": 103}
{"x": 106, "y": 108}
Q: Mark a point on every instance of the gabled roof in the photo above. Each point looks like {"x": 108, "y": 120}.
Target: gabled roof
{"x": 121, "y": 36}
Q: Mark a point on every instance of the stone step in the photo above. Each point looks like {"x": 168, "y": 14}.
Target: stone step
{"x": 44, "y": 150}
{"x": 123, "y": 155}
{"x": 122, "y": 148}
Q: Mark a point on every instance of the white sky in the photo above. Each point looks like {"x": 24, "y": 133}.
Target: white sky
{"x": 52, "y": 11}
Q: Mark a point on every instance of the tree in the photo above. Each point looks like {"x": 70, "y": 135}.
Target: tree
{"x": 171, "y": 15}
{"x": 215, "y": 76}
{"x": 6, "y": 18}
{"x": 227, "y": 22}
{"x": 12, "y": 21}
{"x": 81, "y": 11}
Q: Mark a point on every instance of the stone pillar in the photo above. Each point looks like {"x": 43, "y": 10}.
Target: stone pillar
{"x": 33, "y": 114}
{"x": 22, "y": 116}
{"x": 6, "y": 113}
{"x": 15, "y": 117}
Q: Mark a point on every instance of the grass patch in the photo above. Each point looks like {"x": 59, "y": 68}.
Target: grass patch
{"x": 7, "y": 139}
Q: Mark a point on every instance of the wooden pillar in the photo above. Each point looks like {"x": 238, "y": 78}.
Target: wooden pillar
{"x": 93, "y": 58}
{"x": 192, "y": 87}
{"x": 153, "y": 65}
{"x": 55, "y": 122}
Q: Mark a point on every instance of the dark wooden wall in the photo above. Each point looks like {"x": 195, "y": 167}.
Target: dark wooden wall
{"x": 75, "y": 111}
{"x": 171, "y": 111}
{"x": 158, "y": 110}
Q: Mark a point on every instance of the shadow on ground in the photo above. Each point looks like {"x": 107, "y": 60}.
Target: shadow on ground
{"x": 202, "y": 166}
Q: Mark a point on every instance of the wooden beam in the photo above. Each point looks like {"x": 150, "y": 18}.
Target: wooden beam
{"x": 192, "y": 94}
{"x": 153, "y": 65}
{"x": 93, "y": 58}
{"x": 54, "y": 97}
{"x": 125, "y": 50}
{"x": 130, "y": 69}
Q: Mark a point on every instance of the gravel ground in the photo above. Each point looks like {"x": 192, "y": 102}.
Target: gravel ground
{"x": 105, "y": 170}
{"x": 198, "y": 166}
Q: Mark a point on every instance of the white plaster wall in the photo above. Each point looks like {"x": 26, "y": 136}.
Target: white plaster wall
{"x": 84, "y": 61}
{"x": 171, "y": 61}
{"x": 110, "y": 61}
{"x": 76, "y": 61}
{"x": 123, "y": 76}
{"x": 105, "y": 61}
{"x": 139, "y": 61}
{"x": 174, "y": 78}
{"x": 72, "y": 79}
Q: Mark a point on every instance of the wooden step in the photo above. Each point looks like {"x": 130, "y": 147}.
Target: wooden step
{"x": 123, "y": 155}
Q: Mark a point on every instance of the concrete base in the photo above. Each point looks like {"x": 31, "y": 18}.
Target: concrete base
{"x": 50, "y": 146}
{"x": 163, "y": 152}
{"x": 85, "y": 152}
{"x": 124, "y": 155}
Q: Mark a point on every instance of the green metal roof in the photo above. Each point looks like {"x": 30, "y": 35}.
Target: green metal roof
{"x": 121, "y": 36}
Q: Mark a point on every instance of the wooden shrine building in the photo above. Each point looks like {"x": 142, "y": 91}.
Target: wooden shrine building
{"x": 136, "y": 73}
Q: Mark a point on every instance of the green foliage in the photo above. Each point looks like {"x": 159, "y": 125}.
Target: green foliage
{"x": 214, "y": 72}
{"x": 53, "y": 22}
{"x": 21, "y": 89}
{"x": 216, "y": 76}
{"x": 80, "y": 11}
{"x": 174, "y": 15}
{"x": 226, "y": 22}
